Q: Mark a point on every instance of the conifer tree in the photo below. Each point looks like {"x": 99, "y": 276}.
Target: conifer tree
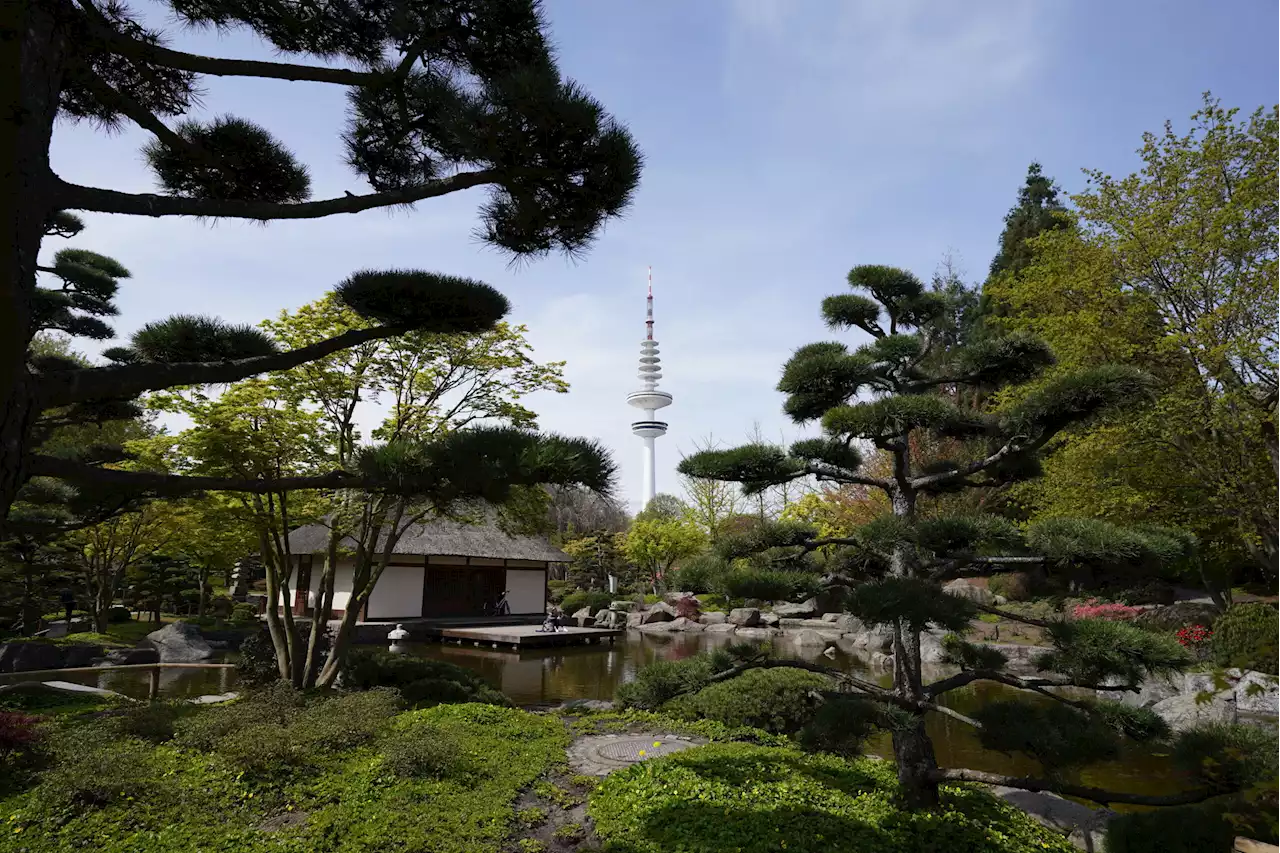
{"x": 443, "y": 96}
{"x": 883, "y": 393}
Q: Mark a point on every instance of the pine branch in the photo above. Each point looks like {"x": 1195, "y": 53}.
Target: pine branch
{"x": 1096, "y": 795}
{"x": 823, "y": 473}
{"x": 129, "y": 380}
{"x": 128, "y": 106}
{"x": 867, "y": 687}
{"x": 959, "y": 566}
{"x": 156, "y": 55}
{"x": 167, "y": 485}
{"x": 75, "y": 197}
{"x": 966, "y": 470}
{"x": 1014, "y": 617}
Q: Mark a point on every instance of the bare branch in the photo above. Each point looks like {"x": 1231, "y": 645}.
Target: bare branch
{"x": 1036, "y": 685}
{"x": 121, "y": 381}
{"x": 965, "y": 470}
{"x": 1083, "y": 792}
{"x": 75, "y": 197}
{"x": 1014, "y": 617}
{"x": 824, "y": 473}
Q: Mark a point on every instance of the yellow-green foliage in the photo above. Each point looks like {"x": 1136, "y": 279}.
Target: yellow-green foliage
{"x": 754, "y": 799}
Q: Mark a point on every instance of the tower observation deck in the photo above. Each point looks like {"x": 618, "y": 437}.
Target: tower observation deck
{"x": 649, "y": 399}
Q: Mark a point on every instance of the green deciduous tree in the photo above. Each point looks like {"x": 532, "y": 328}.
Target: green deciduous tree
{"x": 655, "y": 544}
{"x": 903, "y": 556}
{"x": 711, "y": 503}
{"x": 442, "y": 97}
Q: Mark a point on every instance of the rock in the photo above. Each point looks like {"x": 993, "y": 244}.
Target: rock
{"x": 130, "y": 657}
{"x": 683, "y": 623}
{"x": 1153, "y": 690}
{"x": 1256, "y": 693}
{"x": 635, "y": 619}
{"x": 28, "y": 657}
{"x": 744, "y": 617}
{"x": 999, "y": 600}
{"x": 847, "y": 624}
{"x": 179, "y": 642}
{"x": 611, "y": 619}
{"x": 657, "y": 627}
{"x": 878, "y": 638}
{"x": 214, "y": 699}
{"x": 931, "y": 649}
{"x": 785, "y": 611}
{"x": 880, "y": 660}
{"x": 758, "y": 633}
{"x": 586, "y": 705}
{"x": 830, "y": 617}
{"x": 770, "y": 620}
{"x": 673, "y": 597}
{"x": 659, "y": 612}
{"x": 1183, "y": 712}
{"x": 622, "y": 606}
{"x": 722, "y": 628}
{"x": 1084, "y": 827}
{"x": 964, "y": 589}
{"x": 808, "y": 637}
{"x": 715, "y": 617}
{"x": 81, "y": 655}
{"x": 583, "y": 616}
{"x": 71, "y": 687}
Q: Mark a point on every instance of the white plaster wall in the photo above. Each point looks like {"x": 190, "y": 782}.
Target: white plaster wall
{"x": 342, "y": 582}
{"x": 398, "y": 593}
{"x": 526, "y": 590}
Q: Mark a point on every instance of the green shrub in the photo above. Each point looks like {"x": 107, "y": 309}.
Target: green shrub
{"x": 1245, "y": 637}
{"x": 756, "y": 800}
{"x": 595, "y": 599}
{"x": 1226, "y": 756}
{"x": 422, "y": 751}
{"x": 221, "y": 607}
{"x": 260, "y": 748}
{"x": 761, "y": 584}
{"x": 153, "y": 722}
{"x": 244, "y": 614}
{"x": 1184, "y": 829}
{"x": 1015, "y": 586}
{"x": 780, "y": 700}
{"x": 699, "y": 574}
{"x": 421, "y": 682}
{"x": 557, "y": 590}
{"x": 277, "y": 704}
{"x": 118, "y": 614}
{"x": 91, "y": 767}
{"x": 663, "y": 680}
{"x": 345, "y": 721}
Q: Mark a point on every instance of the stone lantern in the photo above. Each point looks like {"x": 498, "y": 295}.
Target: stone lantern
{"x": 397, "y": 638}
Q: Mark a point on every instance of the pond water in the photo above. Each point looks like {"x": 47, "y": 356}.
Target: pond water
{"x": 169, "y": 682}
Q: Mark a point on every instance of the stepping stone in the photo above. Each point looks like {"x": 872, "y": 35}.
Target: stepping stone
{"x": 600, "y": 755}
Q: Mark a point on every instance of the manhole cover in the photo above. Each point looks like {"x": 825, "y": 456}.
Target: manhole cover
{"x": 638, "y": 749}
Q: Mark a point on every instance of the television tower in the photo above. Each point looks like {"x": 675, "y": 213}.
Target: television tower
{"x": 649, "y": 399}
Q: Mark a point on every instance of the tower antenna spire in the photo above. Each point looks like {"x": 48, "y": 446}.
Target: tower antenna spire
{"x": 649, "y": 399}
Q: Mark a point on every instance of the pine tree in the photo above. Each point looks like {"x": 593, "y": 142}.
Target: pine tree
{"x": 443, "y": 96}
{"x": 1037, "y": 211}
{"x": 897, "y": 563}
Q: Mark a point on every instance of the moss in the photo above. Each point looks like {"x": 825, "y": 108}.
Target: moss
{"x": 754, "y": 799}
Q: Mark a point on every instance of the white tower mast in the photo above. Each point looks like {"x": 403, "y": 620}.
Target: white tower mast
{"x": 649, "y": 399}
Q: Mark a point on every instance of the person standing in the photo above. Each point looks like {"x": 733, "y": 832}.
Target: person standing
{"x": 68, "y": 599}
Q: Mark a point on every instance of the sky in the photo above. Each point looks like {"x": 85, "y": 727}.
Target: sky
{"x": 785, "y": 143}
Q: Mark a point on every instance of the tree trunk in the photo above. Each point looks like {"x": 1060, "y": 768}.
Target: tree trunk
{"x": 32, "y": 59}
{"x": 913, "y": 752}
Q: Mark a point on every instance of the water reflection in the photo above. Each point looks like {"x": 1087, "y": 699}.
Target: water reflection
{"x": 169, "y": 682}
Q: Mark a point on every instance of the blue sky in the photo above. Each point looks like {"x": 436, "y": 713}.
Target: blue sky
{"x": 786, "y": 141}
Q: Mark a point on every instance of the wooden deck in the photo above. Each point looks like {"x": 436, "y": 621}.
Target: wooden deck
{"x": 521, "y": 636}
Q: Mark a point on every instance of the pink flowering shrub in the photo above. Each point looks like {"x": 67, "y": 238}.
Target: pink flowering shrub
{"x": 687, "y": 606}
{"x": 1091, "y": 609}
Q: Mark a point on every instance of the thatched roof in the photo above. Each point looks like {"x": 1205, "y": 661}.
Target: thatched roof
{"x": 443, "y": 538}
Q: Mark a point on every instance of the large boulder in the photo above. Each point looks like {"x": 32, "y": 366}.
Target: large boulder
{"x": 745, "y": 617}
{"x": 830, "y": 617}
{"x": 931, "y": 649}
{"x": 797, "y": 611}
{"x": 684, "y": 623}
{"x": 28, "y": 657}
{"x": 809, "y": 637}
{"x": 80, "y": 654}
{"x": 771, "y": 620}
{"x": 714, "y": 617}
{"x": 1256, "y": 693}
{"x": 758, "y": 633}
{"x": 722, "y": 628}
{"x": 582, "y": 617}
{"x": 880, "y": 660}
{"x": 635, "y": 619}
{"x": 1183, "y": 712}
{"x": 847, "y": 624}
{"x": 611, "y": 619}
{"x": 657, "y": 627}
{"x": 179, "y": 642}
{"x": 962, "y": 588}
{"x": 877, "y": 638}
{"x": 660, "y": 612}
{"x": 130, "y": 657}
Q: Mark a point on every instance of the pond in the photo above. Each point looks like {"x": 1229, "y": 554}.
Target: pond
{"x": 145, "y": 682}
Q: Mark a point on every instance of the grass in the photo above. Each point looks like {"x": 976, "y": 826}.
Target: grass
{"x": 164, "y": 797}
{"x": 753, "y": 799}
